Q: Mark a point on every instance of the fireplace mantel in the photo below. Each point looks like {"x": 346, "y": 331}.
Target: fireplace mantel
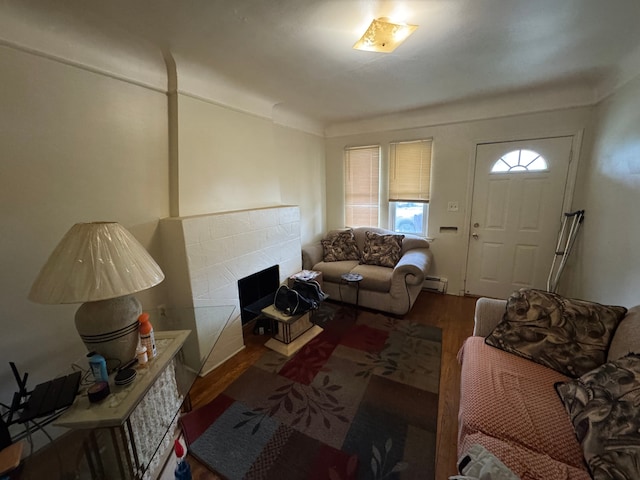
{"x": 205, "y": 255}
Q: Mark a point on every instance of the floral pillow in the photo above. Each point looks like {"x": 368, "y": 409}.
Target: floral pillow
{"x": 340, "y": 245}
{"x": 383, "y": 250}
{"x": 603, "y": 407}
{"x": 570, "y": 336}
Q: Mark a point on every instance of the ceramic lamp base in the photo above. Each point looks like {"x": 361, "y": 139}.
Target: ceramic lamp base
{"x": 110, "y": 328}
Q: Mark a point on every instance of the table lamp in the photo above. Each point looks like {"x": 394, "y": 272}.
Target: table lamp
{"x": 102, "y": 265}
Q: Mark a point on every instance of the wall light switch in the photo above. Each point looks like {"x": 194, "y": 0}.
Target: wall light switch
{"x": 452, "y": 206}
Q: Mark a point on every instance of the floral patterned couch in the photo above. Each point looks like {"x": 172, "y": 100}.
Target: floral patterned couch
{"x": 393, "y": 267}
{"x": 551, "y": 387}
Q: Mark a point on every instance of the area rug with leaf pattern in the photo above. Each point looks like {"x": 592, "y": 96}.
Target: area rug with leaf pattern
{"x": 359, "y": 401}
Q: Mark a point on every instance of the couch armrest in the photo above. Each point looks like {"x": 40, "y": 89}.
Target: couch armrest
{"x": 626, "y": 338}
{"x": 489, "y": 313}
{"x": 311, "y": 254}
{"x": 412, "y": 267}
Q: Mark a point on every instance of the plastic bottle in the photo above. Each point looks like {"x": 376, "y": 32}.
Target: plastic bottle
{"x": 141, "y": 355}
{"x": 183, "y": 470}
{"x": 146, "y": 335}
{"x": 98, "y": 366}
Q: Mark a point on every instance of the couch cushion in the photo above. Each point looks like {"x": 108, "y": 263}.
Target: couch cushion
{"x": 409, "y": 242}
{"x": 360, "y": 233}
{"x": 382, "y": 250}
{"x": 603, "y": 406}
{"x": 570, "y": 336}
{"x": 340, "y": 245}
{"x": 374, "y": 277}
{"x": 514, "y": 400}
{"x": 332, "y": 271}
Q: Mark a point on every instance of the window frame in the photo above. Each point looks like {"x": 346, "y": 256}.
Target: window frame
{"x": 417, "y": 197}
{"x": 423, "y": 229}
{"x": 376, "y": 160}
{"x": 415, "y": 188}
{"x": 519, "y": 167}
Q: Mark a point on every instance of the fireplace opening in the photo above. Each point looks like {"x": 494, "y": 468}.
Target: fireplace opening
{"x": 256, "y": 292}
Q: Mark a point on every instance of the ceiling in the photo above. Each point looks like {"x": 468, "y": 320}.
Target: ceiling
{"x": 298, "y": 53}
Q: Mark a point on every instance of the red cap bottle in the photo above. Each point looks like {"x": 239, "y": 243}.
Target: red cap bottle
{"x": 146, "y": 335}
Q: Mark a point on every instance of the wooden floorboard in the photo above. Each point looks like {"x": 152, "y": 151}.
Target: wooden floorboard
{"x": 453, "y": 314}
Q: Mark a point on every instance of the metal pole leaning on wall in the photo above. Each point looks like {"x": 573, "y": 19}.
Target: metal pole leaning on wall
{"x": 566, "y": 239}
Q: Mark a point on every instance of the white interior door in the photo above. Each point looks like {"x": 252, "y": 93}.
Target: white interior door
{"x": 518, "y": 195}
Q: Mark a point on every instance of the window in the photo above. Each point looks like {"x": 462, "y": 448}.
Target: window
{"x": 409, "y": 186}
{"x": 520, "y": 161}
{"x": 409, "y": 217}
{"x": 362, "y": 180}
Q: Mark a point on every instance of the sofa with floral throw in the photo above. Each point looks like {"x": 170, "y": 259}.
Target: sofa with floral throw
{"x": 551, "y": 387}
{"x": 393, "y": 266}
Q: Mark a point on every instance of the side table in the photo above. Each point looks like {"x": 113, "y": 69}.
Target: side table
{"x": 352, "y": 279}
{"x": 139, "y": 417}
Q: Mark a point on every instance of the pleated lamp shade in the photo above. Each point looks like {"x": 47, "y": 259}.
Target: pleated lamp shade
{"x": 95, "y": 261}
{"x": 102, "y": 265}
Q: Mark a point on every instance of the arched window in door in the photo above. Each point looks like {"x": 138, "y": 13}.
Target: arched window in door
{"x": 520, "y": 161}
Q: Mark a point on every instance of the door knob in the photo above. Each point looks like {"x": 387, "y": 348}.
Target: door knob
{"x": 475, "y": 235}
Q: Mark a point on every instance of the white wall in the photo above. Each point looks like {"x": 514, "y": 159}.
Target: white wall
{"x": 230, "y": 160}
{"x": 79, "y": 145}
{"x": 76, "y": 146}
{"x": 606, "y": 264}
{"x": 452, "y": 172}
{"x": 217, "y": 146}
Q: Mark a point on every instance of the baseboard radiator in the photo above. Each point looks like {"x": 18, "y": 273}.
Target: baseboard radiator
{"x": 435, "y": 284}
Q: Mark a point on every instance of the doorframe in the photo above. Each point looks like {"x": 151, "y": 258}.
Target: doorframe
{"x": 570, "y": 182}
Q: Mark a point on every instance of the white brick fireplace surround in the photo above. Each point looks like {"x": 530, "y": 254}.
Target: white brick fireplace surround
{"x": 205, "y": 255}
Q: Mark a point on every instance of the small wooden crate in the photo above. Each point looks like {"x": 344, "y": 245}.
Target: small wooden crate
{"x": 289, "y": 328}
{"x": 293, "y": 332}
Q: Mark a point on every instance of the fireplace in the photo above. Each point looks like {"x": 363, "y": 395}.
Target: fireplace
{"x": 206, "y": 256}
{"x": 256, "y": 292}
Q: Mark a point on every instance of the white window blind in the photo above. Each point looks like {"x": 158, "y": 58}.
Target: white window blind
{"x": 410, "y": 171}
{"x": 362, "y": 178}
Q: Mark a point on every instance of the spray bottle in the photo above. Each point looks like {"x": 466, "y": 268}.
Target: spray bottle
{"x": 183, "y": 470}
{"x": 147, "y": 339}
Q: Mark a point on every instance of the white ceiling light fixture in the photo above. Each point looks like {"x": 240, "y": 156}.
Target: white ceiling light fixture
{"x": 384, "y": 36}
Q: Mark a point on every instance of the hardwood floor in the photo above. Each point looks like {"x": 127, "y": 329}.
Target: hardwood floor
{"x": 454, "y": 315}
